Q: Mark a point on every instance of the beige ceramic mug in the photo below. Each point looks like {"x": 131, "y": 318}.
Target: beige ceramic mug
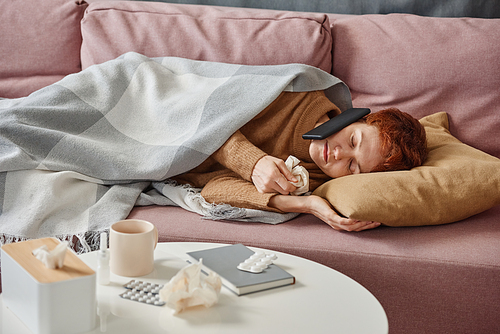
{"x": 131, "y": 244}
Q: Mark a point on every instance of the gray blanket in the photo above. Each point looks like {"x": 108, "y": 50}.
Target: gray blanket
{"x": 77, "y": 155}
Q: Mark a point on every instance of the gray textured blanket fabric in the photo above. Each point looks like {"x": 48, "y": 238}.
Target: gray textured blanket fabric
{"x": 77, "y": 155}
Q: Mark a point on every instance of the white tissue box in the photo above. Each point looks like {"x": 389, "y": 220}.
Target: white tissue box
{"x": 48, "y": 300}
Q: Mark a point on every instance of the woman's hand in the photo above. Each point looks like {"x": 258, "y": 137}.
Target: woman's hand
{"x": 320, "y": 208}
{"x": 270, "y": 175}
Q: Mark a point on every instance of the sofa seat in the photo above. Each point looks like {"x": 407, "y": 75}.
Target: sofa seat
{"x": 432, "y": 279}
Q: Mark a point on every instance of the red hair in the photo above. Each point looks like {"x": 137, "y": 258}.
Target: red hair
{"x": 403, "y": 139}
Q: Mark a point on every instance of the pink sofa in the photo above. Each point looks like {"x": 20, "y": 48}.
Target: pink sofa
{"x": 429, "y": 279}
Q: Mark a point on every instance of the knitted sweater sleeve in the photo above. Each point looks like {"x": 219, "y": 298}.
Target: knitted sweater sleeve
{"x": 239, "y": 155}
{"x": 231, "y": 189}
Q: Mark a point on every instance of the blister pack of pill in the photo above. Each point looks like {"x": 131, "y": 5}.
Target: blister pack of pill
{"x": 258, "y": 262}
{"x": 143, "y": 292}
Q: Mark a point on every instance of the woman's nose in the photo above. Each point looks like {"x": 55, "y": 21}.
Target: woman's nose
{"x": 338, "y": 153}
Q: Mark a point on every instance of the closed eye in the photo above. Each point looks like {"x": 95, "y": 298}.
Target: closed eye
{"x": 351, "y": 166}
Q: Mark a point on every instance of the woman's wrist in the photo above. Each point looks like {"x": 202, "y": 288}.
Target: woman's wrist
{"x": 288, "y": 203}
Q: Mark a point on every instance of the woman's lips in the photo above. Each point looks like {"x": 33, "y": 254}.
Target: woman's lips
{"x": 325, "y": 152}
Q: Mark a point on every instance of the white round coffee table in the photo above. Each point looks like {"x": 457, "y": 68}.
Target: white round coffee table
{"x": 321, "y": 301}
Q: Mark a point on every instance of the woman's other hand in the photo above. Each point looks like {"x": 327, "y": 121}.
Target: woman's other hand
{"x": 320, "y": 208}
{"x": 270, "y": 175}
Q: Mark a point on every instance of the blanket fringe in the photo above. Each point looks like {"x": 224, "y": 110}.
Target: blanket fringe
{"x": 219, "y": 211}
{"x": 213, "y": 211}
{"x": 193, "y": 201}
{"x": 190, "y": 198}
{"x": 80, "y": 243}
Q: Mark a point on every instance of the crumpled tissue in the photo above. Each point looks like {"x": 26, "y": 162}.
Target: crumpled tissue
{"x": 52, "y": 259}
{"x": 300, "y": 173}
{"x": 189, "y": 288}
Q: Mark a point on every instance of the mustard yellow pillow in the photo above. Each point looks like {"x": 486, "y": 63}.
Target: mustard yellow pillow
{"x": 456, "y": 182}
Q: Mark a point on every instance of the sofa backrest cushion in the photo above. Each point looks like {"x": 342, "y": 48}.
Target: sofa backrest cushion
{"x": 425, "y": 65}
{"x": 39, "y": 44}
{"x": 232, "y": 35}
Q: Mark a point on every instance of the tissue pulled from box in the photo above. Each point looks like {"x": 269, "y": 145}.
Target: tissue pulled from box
{"x": 189, "y": 287}
{"x": 300, "y": 173}
{"x": 52, "y": 259}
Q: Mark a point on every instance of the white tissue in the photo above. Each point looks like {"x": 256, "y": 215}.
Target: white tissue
{"x": 300, "y": 173}
{"x": 189, "y": 288}
{"x": 52, "y": 259}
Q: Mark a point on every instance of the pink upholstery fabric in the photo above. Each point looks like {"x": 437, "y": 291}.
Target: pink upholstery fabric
{"x": 424, "y": 65}
{"x": 230, "y": 35}
{"x": 39, "y": 44}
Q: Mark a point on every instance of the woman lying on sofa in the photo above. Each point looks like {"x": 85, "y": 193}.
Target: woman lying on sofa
{"x": 249, "y": 169}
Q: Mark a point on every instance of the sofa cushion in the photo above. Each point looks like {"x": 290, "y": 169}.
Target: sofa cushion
{"x": 425, "y": 65}
{"x": 231, "y": 35}
{"x": 40, "y": 43}
{"x": 456, "y": 182}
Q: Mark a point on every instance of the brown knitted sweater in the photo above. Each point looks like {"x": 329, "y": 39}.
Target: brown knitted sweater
{"x": 276, "y": 131}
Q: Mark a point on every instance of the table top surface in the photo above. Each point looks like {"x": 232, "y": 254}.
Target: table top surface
{"x": 321, "y": 301}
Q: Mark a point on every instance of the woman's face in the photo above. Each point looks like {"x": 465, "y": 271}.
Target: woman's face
{"x": 354, "y": 149}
